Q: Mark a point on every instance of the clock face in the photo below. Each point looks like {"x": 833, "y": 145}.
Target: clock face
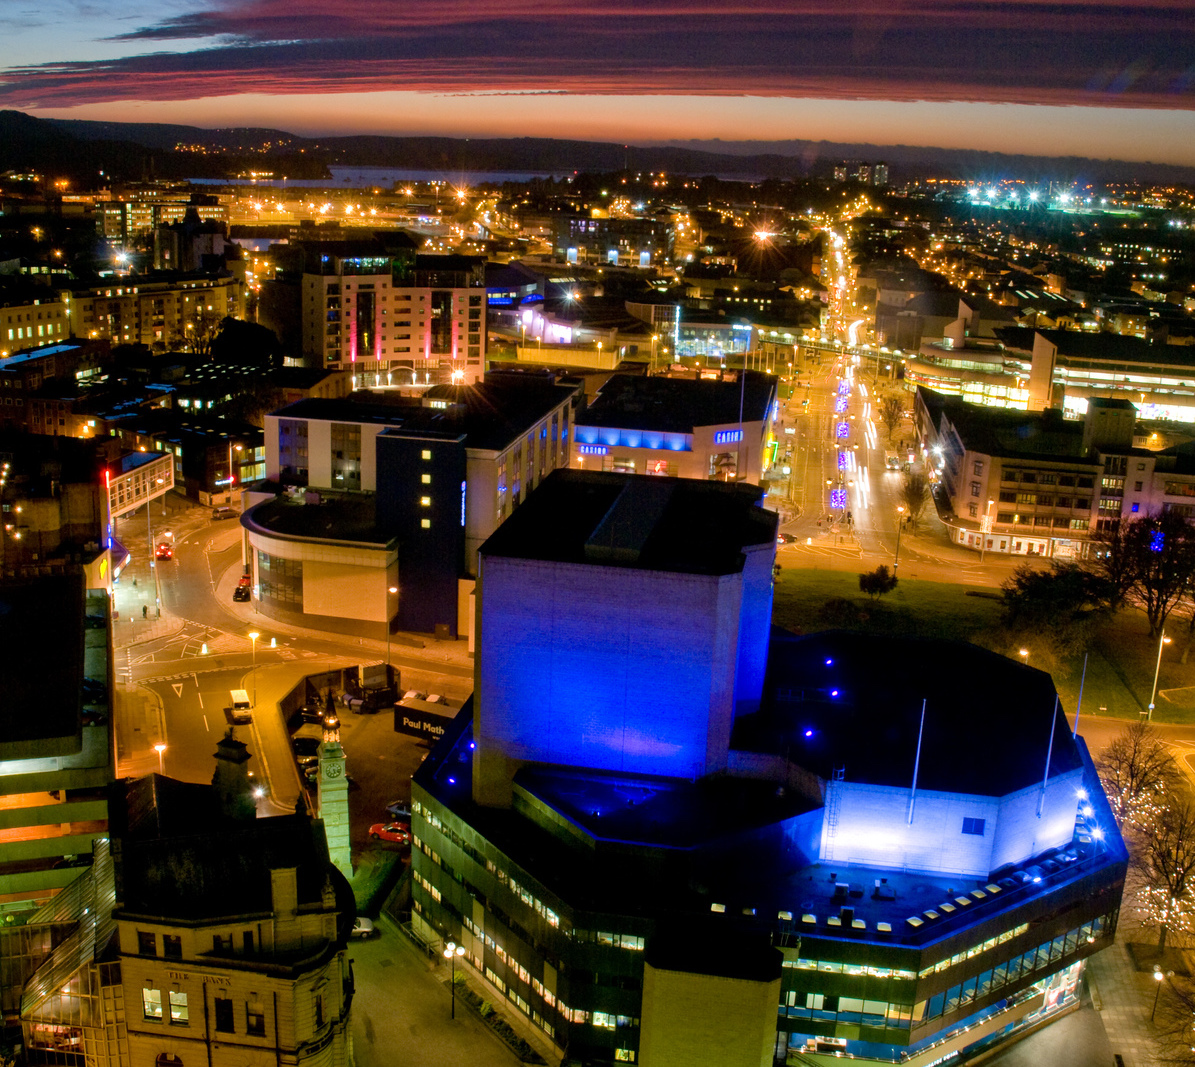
{"x": 333, "y": 770}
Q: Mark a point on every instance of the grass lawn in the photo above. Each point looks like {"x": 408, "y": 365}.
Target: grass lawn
{"x": 913, "y": 609}
{"x": 1120, "y": 662}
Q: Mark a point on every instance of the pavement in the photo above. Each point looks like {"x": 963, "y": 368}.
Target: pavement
{"x": 402, "y": 1010}
{"x": 1123, "y": 997}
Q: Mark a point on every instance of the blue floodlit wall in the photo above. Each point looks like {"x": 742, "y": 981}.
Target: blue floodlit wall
{"x": 611, "y": 668}
{"x": 755, "y": 622}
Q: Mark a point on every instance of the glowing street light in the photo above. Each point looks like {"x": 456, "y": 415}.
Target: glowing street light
{"x": 1157, "y": 668}
{"x": 1024, "y": 654}
{"x": 253, "y": 636}
{"x": 160, "y": 748}
{"x": 451, "y": 951}
{"x": 392, "y": 591}
{"x": 900, "y": 521}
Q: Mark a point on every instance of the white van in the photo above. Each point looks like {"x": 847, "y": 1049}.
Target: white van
{"x": 240, "y": 708}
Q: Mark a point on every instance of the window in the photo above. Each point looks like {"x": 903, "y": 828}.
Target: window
{"x": 172, "y": 947}
{"x": 346, "y": 455}
{"x": 151, "y": 1003}
{"x": 224, "y": 1015}
{"x": 255, "y": 1018}
{"x": 425, "y": 454}
{"x": 973, "y": 826}
{"x": 973, "y": 510}
{"x": 425, "y": 524}
{"x": 978, "y": 468}
{"x": 221, "y": 944}
{"x": 425, "y": 501}
{"x": 975, "y": 489}
{"x": 319, "y": 1011}
{"x": 147, "y": 943}
{"x": 1136, "y": 487}
{"x": 178, "y": 1008}
{"x": 426, "y": 479}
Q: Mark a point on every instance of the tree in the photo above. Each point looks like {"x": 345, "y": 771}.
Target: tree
{"x": 1138, "y": 774}
{"x": 878, "y": 582}
{"x": 1060, "y": 604}
{"x": 1164, "y": 852}
{"x": 891, "y": 410}
{"x": 914, "y": 492}
{"x": 1150, "y": 560}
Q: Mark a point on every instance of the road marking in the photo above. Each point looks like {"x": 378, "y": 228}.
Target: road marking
{"x": 177, "y": 687}
{"x": 199, "y": 695}
{"x": 205, "y": 725}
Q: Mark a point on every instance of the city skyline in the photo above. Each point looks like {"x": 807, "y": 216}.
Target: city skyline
{"x": 1092, "y": 79}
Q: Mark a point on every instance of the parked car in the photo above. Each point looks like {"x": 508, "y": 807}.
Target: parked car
{"x": 396, "y": 833}
{"x": 784, "y": 539}
{"x": 414, "y": 694}
{"x": 397, "y": 809}
{"x": 364, "y": 928}
{"x": 223, "y": 513}
{"x": 165, "y": 551}
{"x": 245, "y": 580}
{"x": 306, "y": 746}
{"x": 242, "y": 593}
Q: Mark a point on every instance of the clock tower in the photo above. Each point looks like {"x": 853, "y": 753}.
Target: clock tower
{"x": 332, "y": 804}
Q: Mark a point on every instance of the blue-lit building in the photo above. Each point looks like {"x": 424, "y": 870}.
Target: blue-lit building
{"x": 668, "y": 834}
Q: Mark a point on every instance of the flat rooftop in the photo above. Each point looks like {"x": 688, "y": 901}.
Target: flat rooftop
{"x": 850, "y": 702}
{"x": 678, "y": 405}
{"x": 619, "y": 520}
{"x": 489, "y": 415}
{"x": 347, "y": 517}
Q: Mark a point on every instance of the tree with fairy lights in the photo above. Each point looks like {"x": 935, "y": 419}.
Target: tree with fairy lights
{"x": 1138, "y": 774}
{"x": 1163, "y": 849}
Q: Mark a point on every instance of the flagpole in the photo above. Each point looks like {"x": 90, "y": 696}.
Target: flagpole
{"x": 917, "y": 764}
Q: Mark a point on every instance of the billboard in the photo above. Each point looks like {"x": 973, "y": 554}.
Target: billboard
{"x": 418, "y": 718}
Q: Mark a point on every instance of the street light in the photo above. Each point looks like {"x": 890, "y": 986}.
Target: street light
{"x": 160, "y": 748}
{"x": 1154, "y": 691}
{"x": 1158, "y": 977}
{"x": 900, "y": 521}
{"x": 231, "y": 478}
{"x": 390, "y": 592}
{"x": 1024, "y": 654}
{"x": 253, "y": 636}
{"x": 451, "y": 951}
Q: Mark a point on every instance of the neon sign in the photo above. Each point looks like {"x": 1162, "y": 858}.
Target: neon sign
{"x": 593, "y": 450}
{"x": 727, "y": 437}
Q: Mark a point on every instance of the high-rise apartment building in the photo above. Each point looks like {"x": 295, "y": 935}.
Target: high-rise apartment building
{"x": 395, "y": 320}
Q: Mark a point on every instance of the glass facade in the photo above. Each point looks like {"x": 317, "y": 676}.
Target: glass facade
{"x": 280, "y": 581}
{"x": 346, "y": 455}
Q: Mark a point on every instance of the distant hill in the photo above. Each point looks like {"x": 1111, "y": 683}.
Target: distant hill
{"x": 136, "y": 150}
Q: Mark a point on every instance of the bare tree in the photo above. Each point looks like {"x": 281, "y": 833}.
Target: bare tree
{"x": 914, "y": 492}
{"x": 1150, "y": 561}
{"x": 1138, "y": 774}
{"x": 891, "y": 410}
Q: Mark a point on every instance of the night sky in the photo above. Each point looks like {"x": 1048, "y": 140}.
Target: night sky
{"x": 1050, "y": 77}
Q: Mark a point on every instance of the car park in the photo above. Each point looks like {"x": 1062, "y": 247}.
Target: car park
{"x": 395, "y": 833}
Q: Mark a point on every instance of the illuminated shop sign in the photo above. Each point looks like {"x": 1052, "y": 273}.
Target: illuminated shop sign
{"x": 592, "y": 450}
{"x": 727, "y": 437}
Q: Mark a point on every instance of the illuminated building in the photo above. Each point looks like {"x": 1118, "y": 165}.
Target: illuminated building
{"x": 149, "y": 310}
{"x": 34, "y": 323}
{"x": 679, "y": 427}
{"x": 665, "y": 834}
{"x": 241, "y": 961}
{"x": 394, "y": 319}
{"x": 373, "y": 493}
{"x": 1034, "y": 483}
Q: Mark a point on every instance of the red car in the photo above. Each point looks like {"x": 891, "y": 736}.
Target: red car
{"x": 165, "y": 551}
{"x": 397, "y": 833}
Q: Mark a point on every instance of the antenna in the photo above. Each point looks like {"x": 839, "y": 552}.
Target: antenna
{"x": 917, "y": 764}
